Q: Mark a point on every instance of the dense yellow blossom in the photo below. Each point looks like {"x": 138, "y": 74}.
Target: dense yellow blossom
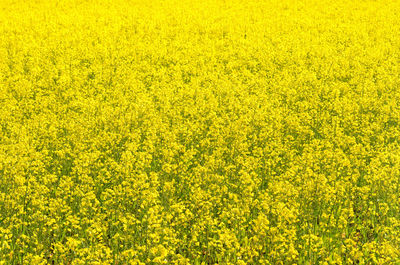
{"x": 199, "y": 132}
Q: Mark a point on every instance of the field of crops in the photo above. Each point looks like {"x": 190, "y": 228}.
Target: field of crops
{"x": 199, "y": 132}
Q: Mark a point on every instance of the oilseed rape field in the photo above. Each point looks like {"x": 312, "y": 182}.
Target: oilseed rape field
{"x": 199, "y": 132}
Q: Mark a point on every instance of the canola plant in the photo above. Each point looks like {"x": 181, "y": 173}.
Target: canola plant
{"x": 199, "y": 132}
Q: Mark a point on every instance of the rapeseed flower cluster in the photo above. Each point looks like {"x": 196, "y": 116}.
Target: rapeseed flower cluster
{"x": 199, "y": 132}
